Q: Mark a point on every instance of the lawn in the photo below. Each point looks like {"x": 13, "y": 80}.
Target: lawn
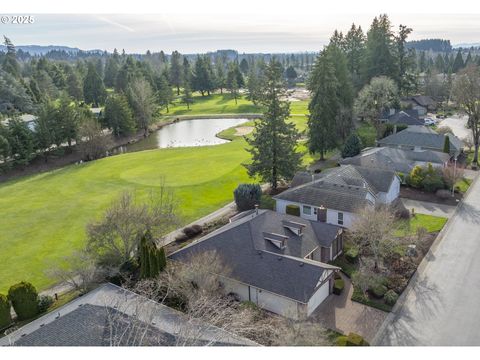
{"x": 429, "y": 222}
{"x": 43, "y": 217}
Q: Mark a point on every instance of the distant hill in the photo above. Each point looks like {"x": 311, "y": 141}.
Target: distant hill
{"x": 43, "y": 49}
{"x": 439, "y": 45}
{"x": 467, "y": 45}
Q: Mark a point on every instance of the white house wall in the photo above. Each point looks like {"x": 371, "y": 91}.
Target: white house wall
{"x": 318, "y": 297}
{"x": 332, "y": 218}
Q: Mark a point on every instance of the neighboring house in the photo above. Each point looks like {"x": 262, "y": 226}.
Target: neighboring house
{"x": 276, "y": 261}
{"x": 419, "y": 138}
{"x": 420, "y": 103}
{"x": 398, "y": 160}
{"x": 96, "y": 111}
{"x": 113, "y": 316}
{"x": 403, "y": 117}
{"x": 27, "y": 119}
{"x": 334, "y": 195}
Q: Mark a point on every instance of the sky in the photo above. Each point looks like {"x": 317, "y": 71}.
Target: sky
{"x": 246, "y": 31}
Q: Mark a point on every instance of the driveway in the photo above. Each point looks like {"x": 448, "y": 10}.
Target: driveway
{"x": 457, "y": 124}
{"x": 441, "y": 304}
{"x": 429, "y": 208}
{"x": 340, "y": 313}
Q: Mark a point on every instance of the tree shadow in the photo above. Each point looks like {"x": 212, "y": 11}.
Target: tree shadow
{"x": 469, "y": 213}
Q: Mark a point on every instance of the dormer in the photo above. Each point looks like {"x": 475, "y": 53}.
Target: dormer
{"x": 280, "y": 241}
{"x": 295, "y": 227}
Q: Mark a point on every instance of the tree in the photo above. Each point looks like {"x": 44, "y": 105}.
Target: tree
{"x": 379, "y": 57}
{"x": 176, "y": 70}
{"x": 111, "y": 70}
{"x": 93, "y": 88}
{"x": 13, "y": 95}
{"x": 5, "y": 316}
{"x": 291, "y": 75}
{"x": 458, "y": 63}
{"x": 164, "y": 91}
{"x": 94, "y": 144}
{"x": 117, "y": 115}
{"x": 377, "y": 96}
{"x": 10, "y": 62}
{"x": 247, "y": 196}
{"x": 46, "y": 129}
{"x": 21, "y": 141}
{"x": 24, "y": 297}
{"x": 67, "y": 115}
{"x": 221, "y": 80}
{"x": 244, "y": 66}
{"x": 187, "y": 98}
{"x": 405, "y": 80}
{"x": 352, "y": 147}
{"x": 372, "y": 232}
{"x": 203, "y": 75}
{"x": 142, "y": 101}
{"x": 115, "y": 238}
{"x": 273, "y": 143}
{"x": 354, "y": 48}
{"x": 232, "y": 83}
{"x": 446, "y": 145}
{"x": 466, "y": 92}
{"x": 74, "y": 86}
{"x": 152, "y": 258}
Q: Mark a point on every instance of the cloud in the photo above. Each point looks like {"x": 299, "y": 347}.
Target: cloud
{"x": 114, "y": 23}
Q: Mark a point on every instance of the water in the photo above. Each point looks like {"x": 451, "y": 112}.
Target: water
{"x": 196, "y": 132}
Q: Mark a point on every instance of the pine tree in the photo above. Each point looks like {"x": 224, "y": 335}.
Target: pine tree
{"x": 273, "y": 143}
{"x": 164, "y": 91}
{"x": 446, "y": 145}
{"x": 93, "y": 88}
{"x": 354, "y": 47}
{"x": 21, "y": 141}
{"x": 352, "y": 147}
{"x": 176, "y": 71}
{"x": 10, "y": 62}
{"x": 118, "y": 116}
{"x": 187, "y": 98}
{"x": 458, "y": 62}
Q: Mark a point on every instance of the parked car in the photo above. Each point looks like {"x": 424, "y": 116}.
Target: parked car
{"x": 429, "y": 122}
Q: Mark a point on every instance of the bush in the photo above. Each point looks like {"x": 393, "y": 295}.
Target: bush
{"x": 416, "y": 176}
{"x": 5, "y": 317}
{"x": 44, "y": 302}
{"x": 397, "y": 283}
{"x": 402, "y": 177}
{"x": 378, "y": 290}
{"x": 293, "y": 210}
{"x": 356, "y": 340}
{"x": 443, "y": 194}
{"x": 193, "y": 230}
{"x": 352, "y": 255}
{"x": 338, "y": 286}
{"x": 427, "y": 178}
{"x": 24, "y": 299}
{"x": 267, "y": 202}
{"x": 181, "y": 238}
{"x": 353, "y": 146}
{"x": 432, "y": 183}
{"x": 247, "y": 196}
{"x": 391, "y": 297}
{"x": 341, "y": 341}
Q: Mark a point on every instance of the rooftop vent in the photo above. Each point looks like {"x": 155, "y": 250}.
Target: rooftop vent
{"x": 280, "y": 241}
{"x": 293, "y": 226}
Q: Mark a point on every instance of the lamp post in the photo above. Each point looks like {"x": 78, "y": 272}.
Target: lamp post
{"x": 454, "y": 170}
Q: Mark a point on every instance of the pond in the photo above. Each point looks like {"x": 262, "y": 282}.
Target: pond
{"x": 195, "y": 132}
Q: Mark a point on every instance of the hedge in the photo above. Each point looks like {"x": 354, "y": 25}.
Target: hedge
{"x": 338, "y": 286}
{"x": 293, "y": 210}
{"x": 24, "y": 298}
{"x": 5, "y": 317}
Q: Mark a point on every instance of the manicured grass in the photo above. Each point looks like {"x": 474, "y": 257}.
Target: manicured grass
{"x": 429, "y": 222}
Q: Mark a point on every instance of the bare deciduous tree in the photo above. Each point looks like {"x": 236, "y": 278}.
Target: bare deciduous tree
{"x": 451, "y": 174}
{"x": 94, "y": 143}
{"x": 115, "y": 238}
{"x": 466, "y": 92}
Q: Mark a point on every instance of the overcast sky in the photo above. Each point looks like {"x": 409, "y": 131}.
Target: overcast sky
{"x": 190, "y": 33}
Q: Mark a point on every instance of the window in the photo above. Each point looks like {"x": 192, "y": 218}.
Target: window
{"x": 340, "y": 218}
{"x": 307, "y": 210}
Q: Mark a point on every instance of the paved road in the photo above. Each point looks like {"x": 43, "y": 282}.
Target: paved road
{"x": 458, "y": 125}
{"x": 441, "y": 304}
{"x": 429, "y": 208}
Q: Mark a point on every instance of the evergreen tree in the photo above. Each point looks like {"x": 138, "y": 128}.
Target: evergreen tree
{"x": 405, "y": 79}
{"x": 67, "y": 115}
{"x": 354, "y": 48}
{"x": 10, "y": 62}
{"x": 117, "y": 115}
{"x": 446, "y": 145}
{"x": 352, "y": 147}
{"x": 142, "y": 101}
{"x": 164, "y": 91}
{"x": 74, "y": 86}
{"x": 176, "y": 71}
{"x": 291, "y": 75}
{"x": 203, "y": 76}
{"x": 273, "y": 143}
{"x": 458, "y": 63}
{"x": 221, "y": 80}
{"x": 111, "y": 70}
{"x": 232, "y": 83}
{"x": 93, "y": 89}
{"x": 244, "y": 66}
{"x": 21, "y": 141}
{"x": 187, "y": 98}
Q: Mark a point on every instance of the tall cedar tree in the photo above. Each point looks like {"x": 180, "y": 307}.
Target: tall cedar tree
{"x": 117, "y": 115}
{"x": 93, "y": 88}
{"x": 354, "y": 47}
{"x": 273, "y": 143}
{"x": 323, "y": 106}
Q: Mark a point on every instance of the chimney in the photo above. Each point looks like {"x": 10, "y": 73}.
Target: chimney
{"x": 256, "y": 209}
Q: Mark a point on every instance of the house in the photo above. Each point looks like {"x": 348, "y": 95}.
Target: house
{"x": 402, "y": 117}
{"x": 334, "y": 195}
{"x": 276, "y": 261}
{"x": 113, "y": 316}
{"x": 398, "y": 160}
{"x": 419, "y": 138}
{"x": 420, "y": 103}
{"x": 28, "y": 119}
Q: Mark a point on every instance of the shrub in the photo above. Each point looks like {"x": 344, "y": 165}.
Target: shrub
{"x": 247, "y": 196}
{"x": 44, "y": 302}
{"x": 432, "y": 183}
{"x": 378, "y": 290}
{"x": 24, "y": 298}
{"x": 267, "y": 202}
{"x": 443, "y": 194}
{"x": 352, "y": 255}
{"x": 353, "y": 146}
{"x": 193, "y": 230}
{"x": 5, "y": 317}
{"x": 338, "y": 286}
{"x": 293, "y": 210}
{"x": 416, "y": 176}
{"x": 341, "y": 341}
{"x": 391, "y": 297}
{"x": 356, "y": 340}
{"x": 397, "y": 283}
{"x": 181, "y": 238}
{"x": 402, "y": 177}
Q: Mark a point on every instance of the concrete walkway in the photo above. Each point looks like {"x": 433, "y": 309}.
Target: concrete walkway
{"x": 340, "y": 313}
{"x": 429, "y": 208}
{"x": 441, "y": 303}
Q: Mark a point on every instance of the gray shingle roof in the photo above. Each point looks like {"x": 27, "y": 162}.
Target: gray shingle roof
{"x": 257, "y": 262}
{"x": 398, "y": 160}
{"x": 422, "y": 137}
{"x": 404, "y": 118}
